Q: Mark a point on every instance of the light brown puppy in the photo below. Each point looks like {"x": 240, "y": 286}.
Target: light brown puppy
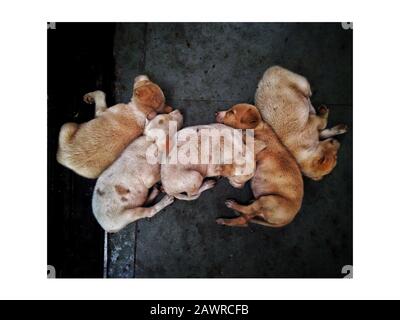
{"x": 277, "y": 184}
{"x": 283, "y": 99}
{"x": 89, "y": 148}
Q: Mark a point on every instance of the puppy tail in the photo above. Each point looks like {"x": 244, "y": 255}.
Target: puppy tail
{"x": 67, "y": 133}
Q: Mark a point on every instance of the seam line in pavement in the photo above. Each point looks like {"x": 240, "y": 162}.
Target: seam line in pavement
{"x": 143, "y": 69}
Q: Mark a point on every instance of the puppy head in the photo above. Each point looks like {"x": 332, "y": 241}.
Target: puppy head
{"x": 158, "y": 128}
{"x": 149, "y": 96}
{"x": 323, "y": 160}
{"x": 162, "y": 121}
{"x": 240, "y": 116}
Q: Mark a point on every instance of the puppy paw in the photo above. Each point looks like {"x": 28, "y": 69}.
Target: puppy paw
{"x": 220, "y": 221}
{"x": 88, "y": 98}
{"x": 165, "y": 202}
{"x": 230, "y": 203}
{"x": 342, "y": 128}
{"x": 323, "y": 111}
{"x": 209, "y": 184}
{"x": 168, "y": 199}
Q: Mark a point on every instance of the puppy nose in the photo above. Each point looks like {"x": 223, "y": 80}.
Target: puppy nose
{"x": 219, "y": 117}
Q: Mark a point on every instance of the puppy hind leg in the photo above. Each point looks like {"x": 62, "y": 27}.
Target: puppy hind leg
{"x": 276, "y": 211}
{"x": 250, "y": 209}
{"x": 288, "y": 77}
{"x": 271, "y": 210}
{"x": 234, "y": 222}
{"x": 99, "y": 99}
{"x": 131, "y": 215}
{"x": 247, "y": 213}
{"x": 163, "y": 203}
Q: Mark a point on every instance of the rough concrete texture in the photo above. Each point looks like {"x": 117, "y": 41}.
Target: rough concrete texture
{"x": 208, "y": 67}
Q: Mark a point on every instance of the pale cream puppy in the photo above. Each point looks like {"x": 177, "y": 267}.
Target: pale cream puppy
{"x": 122, "y": 190}
{"x": 185, "y": 181}
{"x": 89, "y": 148}
{"x": 283, "y": 99}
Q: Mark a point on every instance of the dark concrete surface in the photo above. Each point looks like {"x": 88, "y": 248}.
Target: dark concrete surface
{"x": 80, "y": 60}
{"x": 207, "y": 67}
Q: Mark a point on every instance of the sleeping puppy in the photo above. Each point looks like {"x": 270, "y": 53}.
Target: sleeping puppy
{"x": 277, "y": 184}
{"x": 185, "y": 180}
{"x": 89, "y": 148}
{"x": 122, "y": 191}
{"x": 283, "y": 99}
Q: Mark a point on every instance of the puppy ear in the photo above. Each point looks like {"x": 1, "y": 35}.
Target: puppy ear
{"x": 251, "y": 118}
{"x": 142, "y": 92}
{"x": 149, "y": 95}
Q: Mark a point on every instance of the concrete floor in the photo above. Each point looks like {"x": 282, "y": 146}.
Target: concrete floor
{"x": 207, "y": 67}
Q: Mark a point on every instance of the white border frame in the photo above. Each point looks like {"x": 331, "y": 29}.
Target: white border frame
{"x": 23, "y": 131}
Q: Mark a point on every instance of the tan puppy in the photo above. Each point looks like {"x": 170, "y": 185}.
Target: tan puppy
{"x": 277, "y": 184}
{"x": 179, "y": 178}
{"x": 122, "y": 190}
{"x": 283, "y": 99}
{"x": 91, "y": 147}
